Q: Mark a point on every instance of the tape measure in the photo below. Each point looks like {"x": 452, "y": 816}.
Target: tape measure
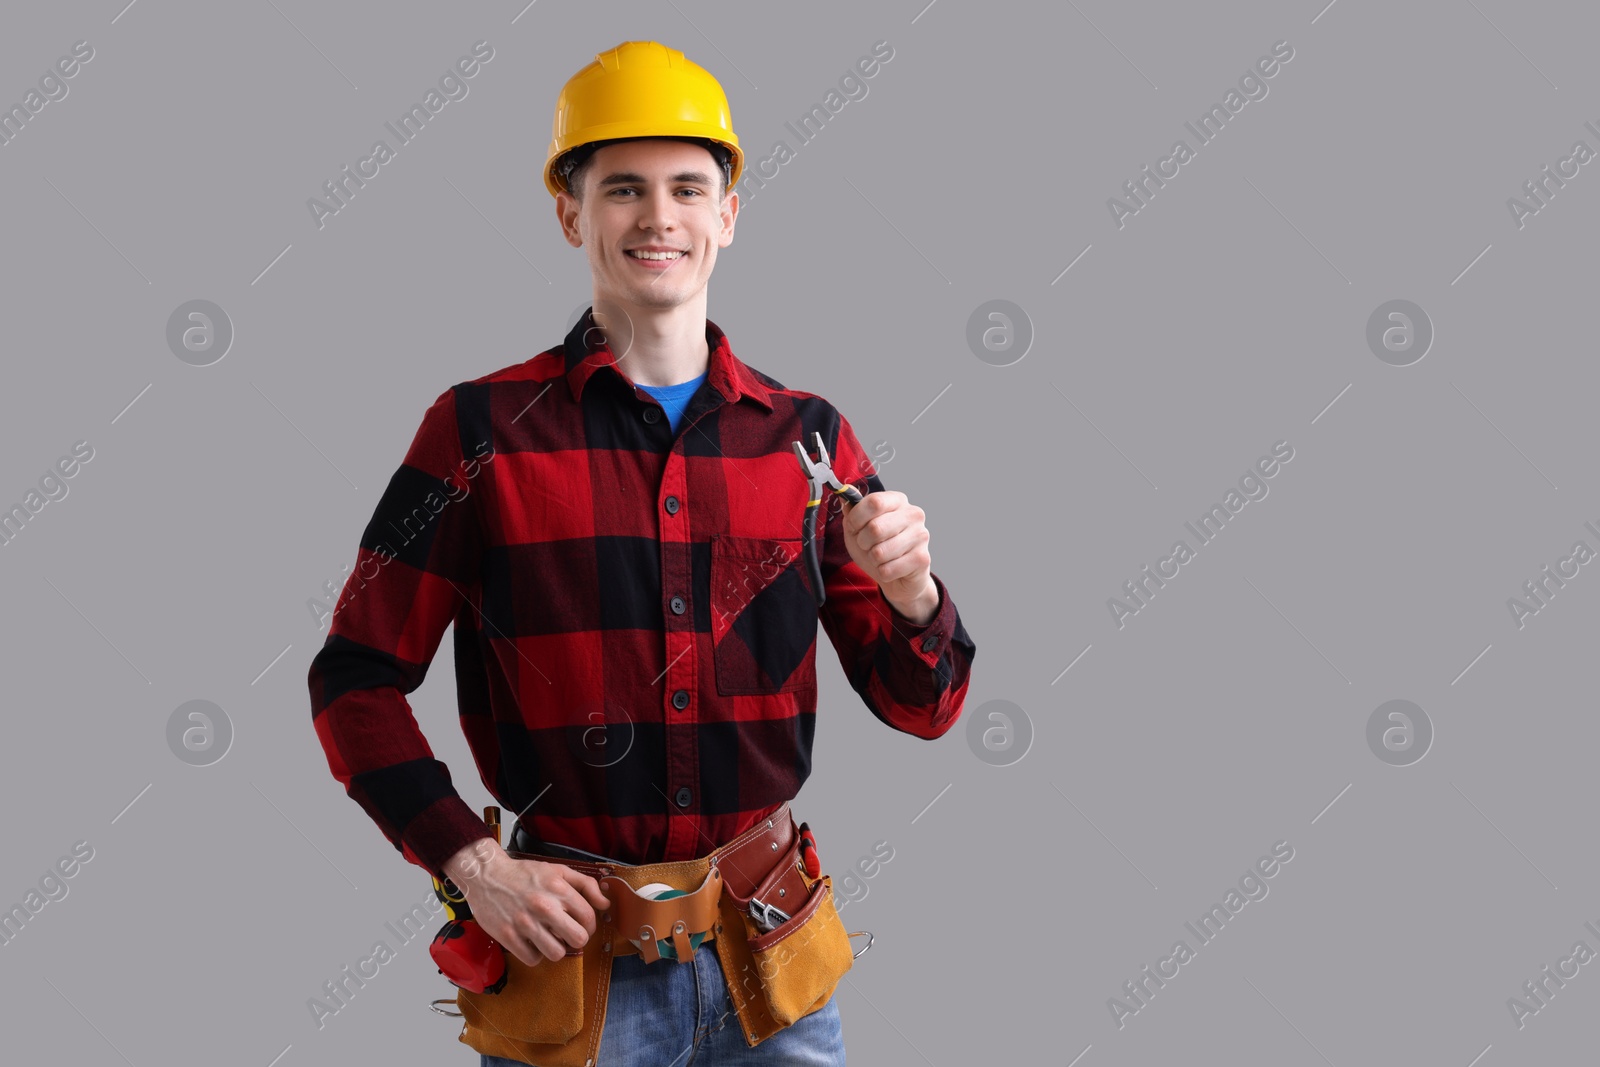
{"x": 662, "y": 891}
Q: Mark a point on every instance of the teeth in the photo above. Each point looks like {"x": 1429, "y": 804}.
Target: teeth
{"x": 655, "y": 255}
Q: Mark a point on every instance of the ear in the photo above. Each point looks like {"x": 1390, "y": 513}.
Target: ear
{"x": 567, "y": 208}
{"x": 729, "y": 210}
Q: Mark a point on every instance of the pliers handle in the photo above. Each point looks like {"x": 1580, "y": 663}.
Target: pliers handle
{"x": 819, "y": 472}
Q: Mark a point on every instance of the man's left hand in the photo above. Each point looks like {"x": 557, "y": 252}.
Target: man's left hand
{"x": 886, "y": 537}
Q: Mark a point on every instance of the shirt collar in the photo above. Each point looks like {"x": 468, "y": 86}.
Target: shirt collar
{"x": 586, "y": 351}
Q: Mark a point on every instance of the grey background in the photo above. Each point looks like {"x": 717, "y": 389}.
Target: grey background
{"x": 1229, "y": 314}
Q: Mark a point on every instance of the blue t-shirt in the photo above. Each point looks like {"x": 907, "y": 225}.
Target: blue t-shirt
{"x": 675, "y": 398}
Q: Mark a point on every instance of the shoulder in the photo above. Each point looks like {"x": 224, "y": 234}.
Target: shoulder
{"x": 466, "y": 406}
{"x": 546, "y": 365}
{"x": 537, "y": 371}
{"x": 765, "y": 379}
{"x": 811, "y": 407}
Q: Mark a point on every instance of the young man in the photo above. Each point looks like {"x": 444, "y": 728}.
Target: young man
{"x": 613, "y": 527}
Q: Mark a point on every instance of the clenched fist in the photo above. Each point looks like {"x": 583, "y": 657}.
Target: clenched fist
{"x": 886, "y": 537}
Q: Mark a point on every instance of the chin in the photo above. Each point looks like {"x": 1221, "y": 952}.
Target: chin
{"x": 658, "y": 297}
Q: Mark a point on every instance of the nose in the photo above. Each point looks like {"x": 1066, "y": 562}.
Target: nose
{"x": 659, "y": 211}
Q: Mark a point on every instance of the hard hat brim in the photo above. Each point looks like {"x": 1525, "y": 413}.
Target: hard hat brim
{"x": 554, "y": 182}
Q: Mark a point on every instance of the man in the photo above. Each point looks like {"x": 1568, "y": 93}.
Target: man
{"x": 613, "y": 528}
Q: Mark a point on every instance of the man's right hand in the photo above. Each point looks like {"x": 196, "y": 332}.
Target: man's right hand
{"x": 534, "y": 910}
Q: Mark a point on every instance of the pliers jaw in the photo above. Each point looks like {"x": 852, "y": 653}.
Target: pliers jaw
{"x": 820, "y": 471}
{"x": 822, "y": 480}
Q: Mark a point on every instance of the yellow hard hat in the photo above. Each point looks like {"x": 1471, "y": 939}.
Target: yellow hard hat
{"x": 639, "y": 89}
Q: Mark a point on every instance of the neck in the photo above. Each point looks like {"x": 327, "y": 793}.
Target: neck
{"x": 655, "y": 346}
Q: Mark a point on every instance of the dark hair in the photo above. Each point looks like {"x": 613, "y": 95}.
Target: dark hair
{"x": 574, "y": 166}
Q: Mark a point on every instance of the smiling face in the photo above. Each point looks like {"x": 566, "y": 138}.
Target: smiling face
{"x": 652, "y": 222}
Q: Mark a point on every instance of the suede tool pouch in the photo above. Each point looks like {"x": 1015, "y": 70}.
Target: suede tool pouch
{"x": 799, "y": 962}
{"x": 540, "y": 1005}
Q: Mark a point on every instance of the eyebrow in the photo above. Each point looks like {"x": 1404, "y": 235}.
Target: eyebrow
{"x": 629, "y": 178}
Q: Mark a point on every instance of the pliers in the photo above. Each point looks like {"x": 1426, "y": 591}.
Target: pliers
{"x": 820, "y": 473}
{"x": 768, "y": 917}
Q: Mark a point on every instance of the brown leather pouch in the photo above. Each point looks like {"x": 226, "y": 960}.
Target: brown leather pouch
{"x": 550, "y": 1014}
{"x": 542, "y": 1011}
{"x": 540, "y": 1005}
{"x": 790, "y": 971}
{"x": 801, "y": 961}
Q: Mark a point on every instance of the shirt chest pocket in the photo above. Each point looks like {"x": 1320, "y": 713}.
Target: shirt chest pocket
{"x": 763, "y": 616}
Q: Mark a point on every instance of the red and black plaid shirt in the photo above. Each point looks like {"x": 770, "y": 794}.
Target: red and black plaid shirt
{"x": 635, "y": 630}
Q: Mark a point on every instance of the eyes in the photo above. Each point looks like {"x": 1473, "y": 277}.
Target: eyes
{"x": 631, "y": 189}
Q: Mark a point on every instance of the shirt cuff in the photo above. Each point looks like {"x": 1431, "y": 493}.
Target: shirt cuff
{"x": 928, "y": 642}
{"x": 437, "y": 834}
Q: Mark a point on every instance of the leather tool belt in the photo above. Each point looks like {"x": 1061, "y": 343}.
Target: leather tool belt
{"x": 776, "y": 932}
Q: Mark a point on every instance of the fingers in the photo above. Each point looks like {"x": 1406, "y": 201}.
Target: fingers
{"x": 898, "y": 556}
{"x": 553, "y": 930}
{"x": 886, "y": 528}
{"x": 538, "y": 911}
{"x": 529, "y": 943}
{"x": 890, "y": 525}
{"x": 554, "y": 915}
{"x": 577, "y": 907}
{"x": 546, "y": 939}
{"x": 572, "y": 919}
{"x": 589, "y": 888}
{"x": 544, "y": 945}
{"x": 871, "y": 507}
{"x": 912, "y": 563}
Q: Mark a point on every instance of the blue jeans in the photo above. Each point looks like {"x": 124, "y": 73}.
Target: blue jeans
{"x": 677, "y": 1014}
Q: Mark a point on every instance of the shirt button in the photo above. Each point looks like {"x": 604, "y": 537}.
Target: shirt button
{"x": 930, "y": 643}
{"x": 672, "y": 505}
{"x": 683, "y": 796}
{"x": 652, "y": 414}
{"x": 678, "y": 605}
{"x": 680, "y": 699}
